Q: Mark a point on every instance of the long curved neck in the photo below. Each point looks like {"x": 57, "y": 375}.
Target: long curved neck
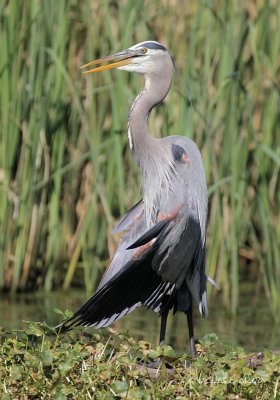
{"x": 140, "y": 141}
{"x": 153, "y": 156}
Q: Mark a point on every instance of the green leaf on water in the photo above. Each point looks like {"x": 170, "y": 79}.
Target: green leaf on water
{"x": 119, "y": 386}
{"x": 209, "y": 339}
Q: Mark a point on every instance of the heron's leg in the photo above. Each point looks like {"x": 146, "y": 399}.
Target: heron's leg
{"x": 157, "y": 363}
{"x": 163, "y": 326}
{"x": 192, "y": 349}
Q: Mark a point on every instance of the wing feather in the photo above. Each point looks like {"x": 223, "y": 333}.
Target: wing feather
{"x": 134, "y": 225}
{"x": 135, "y": 284}
{"x": 135, "y": 212}
{"x": 150, "y": 234}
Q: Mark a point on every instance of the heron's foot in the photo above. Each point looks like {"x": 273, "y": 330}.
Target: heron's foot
{"x": 154, "y": 369}
{"x": 156, "y": 364}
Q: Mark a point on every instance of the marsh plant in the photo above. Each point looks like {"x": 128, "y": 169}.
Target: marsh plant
{"x": 36, "y": 365}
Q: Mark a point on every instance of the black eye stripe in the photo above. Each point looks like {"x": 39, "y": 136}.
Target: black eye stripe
{"x": 153, "y": 46}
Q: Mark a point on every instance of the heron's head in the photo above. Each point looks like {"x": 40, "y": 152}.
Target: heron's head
{"x": 144, "y": 58}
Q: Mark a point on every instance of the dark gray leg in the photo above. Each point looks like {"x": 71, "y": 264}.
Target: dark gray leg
{"x": 192, "y": 349}
{"x": 163, "y": 327}
{"x": 157, "y": 363}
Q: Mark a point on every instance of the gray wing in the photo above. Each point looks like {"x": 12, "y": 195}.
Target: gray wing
{"x": 135, "y": 284}
{"x": 130, "y": 217}
{"x": 133, "y": 224}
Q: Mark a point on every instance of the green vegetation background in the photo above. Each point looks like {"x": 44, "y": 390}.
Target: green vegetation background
{"x": 66, "y": 173}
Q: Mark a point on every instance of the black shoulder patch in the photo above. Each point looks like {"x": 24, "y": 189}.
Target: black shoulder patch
{"x": 177, "y": 152}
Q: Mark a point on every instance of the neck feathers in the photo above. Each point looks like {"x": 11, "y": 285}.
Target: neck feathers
{"x": 155, "y": 90}
{"x": 153, "y": 156}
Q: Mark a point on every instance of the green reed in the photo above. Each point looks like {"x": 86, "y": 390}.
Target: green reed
{"x": 66, "y": 173}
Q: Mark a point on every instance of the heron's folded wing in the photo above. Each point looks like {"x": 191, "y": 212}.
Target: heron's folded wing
{"x": 135, "y": 212}
{"x": 180, "y": 249}
{"x": 134, "y": 226}
{"x": 150, "y": 234}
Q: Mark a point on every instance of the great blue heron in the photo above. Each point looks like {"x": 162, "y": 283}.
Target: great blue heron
{"x": 160, "y": 262}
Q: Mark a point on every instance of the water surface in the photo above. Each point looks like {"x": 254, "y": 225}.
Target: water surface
{"x": 252, "y": 328}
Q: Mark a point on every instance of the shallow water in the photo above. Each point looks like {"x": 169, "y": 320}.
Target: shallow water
{"x": 252, "y": 328}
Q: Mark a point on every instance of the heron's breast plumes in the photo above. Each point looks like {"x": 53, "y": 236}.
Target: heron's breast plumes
{"x": 158, "y": 177}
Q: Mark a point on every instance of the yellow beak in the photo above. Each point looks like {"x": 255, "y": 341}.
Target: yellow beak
{"x": 116, "y": 60}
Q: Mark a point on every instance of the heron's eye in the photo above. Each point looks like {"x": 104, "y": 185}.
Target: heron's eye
{"x": 144, "y": 50}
